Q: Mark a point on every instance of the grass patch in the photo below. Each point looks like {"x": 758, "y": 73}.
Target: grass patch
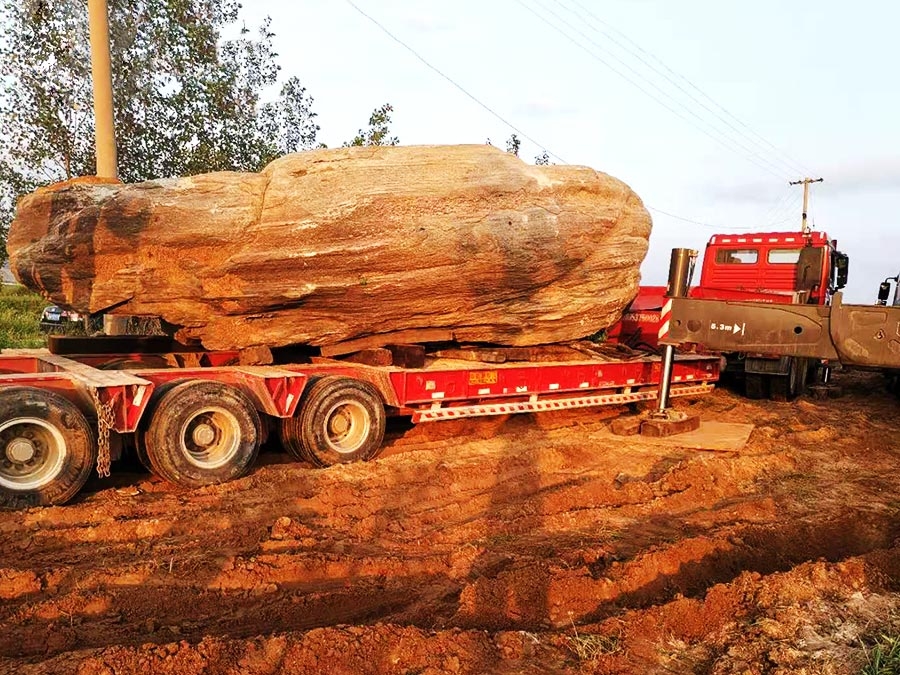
{"x": 20, "y": 321}
{"x": 883, "y": 658}
{"x": 590, "y": 646}
{"x": 20, "y": 317}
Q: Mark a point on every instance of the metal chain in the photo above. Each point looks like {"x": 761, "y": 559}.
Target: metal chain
{"x": 105, "y": 423}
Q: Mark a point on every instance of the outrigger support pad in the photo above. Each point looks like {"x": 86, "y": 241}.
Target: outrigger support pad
{"x": 655, "y": 424}
{"x": 668, "y": 423}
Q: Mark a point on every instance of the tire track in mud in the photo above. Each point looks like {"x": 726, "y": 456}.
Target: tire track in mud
{"x": 130, "y": 592}
{"x": 385, "y": 588}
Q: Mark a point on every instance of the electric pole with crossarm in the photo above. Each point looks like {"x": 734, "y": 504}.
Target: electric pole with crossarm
{"x": 804, "y": 225}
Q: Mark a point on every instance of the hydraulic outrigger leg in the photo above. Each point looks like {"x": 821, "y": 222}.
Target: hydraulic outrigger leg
{"x": 664, "y": 421}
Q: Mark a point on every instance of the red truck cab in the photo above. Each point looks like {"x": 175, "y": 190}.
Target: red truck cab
{"x": 771, "y": 267}
{"x": 777, "y": 267}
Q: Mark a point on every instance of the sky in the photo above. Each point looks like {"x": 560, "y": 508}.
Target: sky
{"x": 706, "y": 108}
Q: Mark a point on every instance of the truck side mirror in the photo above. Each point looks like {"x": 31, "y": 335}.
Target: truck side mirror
{"x": 841, "y": 269}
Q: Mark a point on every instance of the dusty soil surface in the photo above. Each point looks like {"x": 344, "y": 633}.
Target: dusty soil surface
{"x": 508, "y": 545}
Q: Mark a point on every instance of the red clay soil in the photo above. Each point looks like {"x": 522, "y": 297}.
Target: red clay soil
{"x": 534, "y": 544}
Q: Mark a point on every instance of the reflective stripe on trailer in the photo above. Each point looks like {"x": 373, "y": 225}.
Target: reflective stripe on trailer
{"x": 436, "y": 414}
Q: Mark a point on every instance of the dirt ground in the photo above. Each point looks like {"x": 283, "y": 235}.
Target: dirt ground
{"x": 532, "y": 544}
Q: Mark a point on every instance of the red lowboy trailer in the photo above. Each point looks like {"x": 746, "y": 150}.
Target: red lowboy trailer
{"x": 202, "y": 422}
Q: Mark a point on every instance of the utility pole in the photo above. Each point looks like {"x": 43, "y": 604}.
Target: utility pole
{"x": 104, "y": 125}
{"x": 804, "y": 225}
{"x": 104, "y": 135}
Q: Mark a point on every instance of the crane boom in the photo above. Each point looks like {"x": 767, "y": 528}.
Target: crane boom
{"x": 855, "y": 335}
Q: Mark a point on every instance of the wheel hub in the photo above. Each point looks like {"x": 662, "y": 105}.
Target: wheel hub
{"x": 204, "y": 434}
{"x": 347, "y": 426}
{"x": 340, "y": 423}
{"x": 32, "y": 453}
{"x": 21, "y": 450}
{"x": 211, "y": 437}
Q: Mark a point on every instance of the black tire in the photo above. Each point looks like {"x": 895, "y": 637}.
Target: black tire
{"x": 784, "y": 387}
{"x": 140, "y": 444}
{"x": 200, "y": 433}
{"x": 894, "y": 383}
{"x": 148, "y": 362}
{"x": 813, "y": 372}
{"x": 47, "y": 448}
{"x": 754, "y": 386}
{"x": 339, "y": 420}
{"x": 290, "y": 437}
{"x": 804, "y": 365}
{"x": 140, "y": 451}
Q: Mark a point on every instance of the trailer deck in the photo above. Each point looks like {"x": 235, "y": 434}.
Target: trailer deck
{"x": 202, "y": 423}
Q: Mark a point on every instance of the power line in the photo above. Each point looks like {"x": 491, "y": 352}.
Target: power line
{"x": 777, "y": 204}
{"x": 453, "y": 82}
{"x": 694, "y": 87}
{"x": 789, "y": 165}
{"x": 748, "y": 155}
{"x": 785, "y": 212}
{"x": 782, "y": 221}
{"x": 698, "y": 222}
{"x": 510, "y": 125}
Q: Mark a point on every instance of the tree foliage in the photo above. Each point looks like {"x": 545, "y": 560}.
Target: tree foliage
{"x": 185, "y": 100}
{"x": 513, "y": 145}
{"x": 289, "y": 123}
{"x": 379, "y": 129}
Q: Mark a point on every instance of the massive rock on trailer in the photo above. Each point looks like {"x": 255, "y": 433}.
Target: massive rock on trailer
{"x": 329, "y": 246}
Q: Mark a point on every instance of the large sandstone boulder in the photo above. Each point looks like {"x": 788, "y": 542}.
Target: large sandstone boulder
{"x": 327, "y": 246}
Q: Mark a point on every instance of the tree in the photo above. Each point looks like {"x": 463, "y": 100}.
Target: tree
{"x": 289, "y": 123}
{"x": 378, "y": 132}
{"x": 185, "y": 100}
{"x": 513, "y": 144}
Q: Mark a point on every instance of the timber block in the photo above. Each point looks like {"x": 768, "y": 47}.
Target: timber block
{"x": 629, "y": 425}
{"x": 407, "y": 356}
{"x": 662, "y": 426}
{"x": 255, "y": 356}
{"x": 375, "y": 356}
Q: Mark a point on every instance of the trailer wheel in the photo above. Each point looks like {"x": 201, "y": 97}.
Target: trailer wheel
{"x": 47, "y": 449}
{"x": 140, "y": 444}
{"x": 340, "y": 420}
{"x": 201, "y": 432}
{"x": 141, "y": 362}
{"x": 289, "y": 434}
